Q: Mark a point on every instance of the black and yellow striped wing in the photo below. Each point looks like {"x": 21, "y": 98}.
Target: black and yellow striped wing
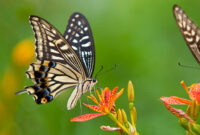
{"x": 50, "y": 45}
{"x": 189, "y": 30}
{"x": 50, "y": 79}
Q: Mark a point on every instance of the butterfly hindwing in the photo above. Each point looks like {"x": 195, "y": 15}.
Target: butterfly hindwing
{"x": 50, "y": 79}
{"x": 79, "y": 35}
{"x": 189, "y": 30}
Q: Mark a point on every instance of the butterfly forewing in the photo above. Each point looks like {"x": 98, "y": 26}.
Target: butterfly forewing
{"x": 50, "y": 45}
{"x": 189, "y": 30}
{"x": 79, "y": 36}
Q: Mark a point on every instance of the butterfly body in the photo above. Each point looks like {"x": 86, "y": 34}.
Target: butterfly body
{"x": 63, "y": 61}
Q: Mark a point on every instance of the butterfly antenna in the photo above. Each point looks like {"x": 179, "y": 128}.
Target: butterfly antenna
{"x": 113, "y": 68}
{"x": 186, "y": 66}
{"x": 101, "y": 68}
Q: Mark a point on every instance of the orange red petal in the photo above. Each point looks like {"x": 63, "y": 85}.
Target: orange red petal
{"x": 93, "y": 107}
{"x": 118, "y": 94}
{"x": 99, "y": 96}
{"x": 178, "y": 112}
{"x": 86, "y": 117}
{"x": 173, "y": 100}
{"x": 93, "y": 98}
{"x": 114, "y": 91}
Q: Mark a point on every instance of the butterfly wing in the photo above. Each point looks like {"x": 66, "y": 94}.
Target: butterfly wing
{"x": 79, "y": 35}
{"x": 50, "y": 79}
{"x": 189, "y": 30}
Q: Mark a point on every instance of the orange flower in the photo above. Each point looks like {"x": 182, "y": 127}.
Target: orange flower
{"x": 105, "y": 105}
{"x": 194, "y": 94}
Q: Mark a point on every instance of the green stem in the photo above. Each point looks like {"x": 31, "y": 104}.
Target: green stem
{"x": 113, "y": 118}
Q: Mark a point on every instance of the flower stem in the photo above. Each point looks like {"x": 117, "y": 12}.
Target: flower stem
{"x": 113, "y": 118}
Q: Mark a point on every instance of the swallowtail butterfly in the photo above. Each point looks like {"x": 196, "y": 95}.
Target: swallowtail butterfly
{"x": 189, "y": 30}
{"x": 63, "y": 61}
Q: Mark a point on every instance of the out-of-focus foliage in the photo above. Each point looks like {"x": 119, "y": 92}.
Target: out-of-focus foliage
{"x": 141, "y": 37}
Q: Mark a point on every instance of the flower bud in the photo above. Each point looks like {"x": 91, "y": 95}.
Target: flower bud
{"x": 119, "y": 116}
{"x": 125, "y": 118}
{"x": 130, "y": 92}
{"x": 133, "y": 115}
{"x": 112, "y": 117}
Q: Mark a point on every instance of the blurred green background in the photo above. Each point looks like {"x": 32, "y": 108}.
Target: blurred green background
{"x": 141, "y": 37}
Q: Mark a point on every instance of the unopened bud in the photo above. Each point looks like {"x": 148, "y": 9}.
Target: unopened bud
{"x": 112, "y": 117}
{"x": 119, "y": 116}
{"x": 130, "y": 92}
{"x": 133, "y": 115}
{"x": 125, "y": 118}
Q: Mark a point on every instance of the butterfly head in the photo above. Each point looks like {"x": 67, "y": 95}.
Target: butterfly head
{"x": 91, "y": 83}
{"x": 94, "y": 80}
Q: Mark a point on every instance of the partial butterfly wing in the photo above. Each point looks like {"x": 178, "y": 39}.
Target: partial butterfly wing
{"x": 79, "y": 36}
{"x": 189, "y": 30}
{"x": 50, "y": 45}
{"x": 50, "y": 79}
{"x": 58, "y": 67}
